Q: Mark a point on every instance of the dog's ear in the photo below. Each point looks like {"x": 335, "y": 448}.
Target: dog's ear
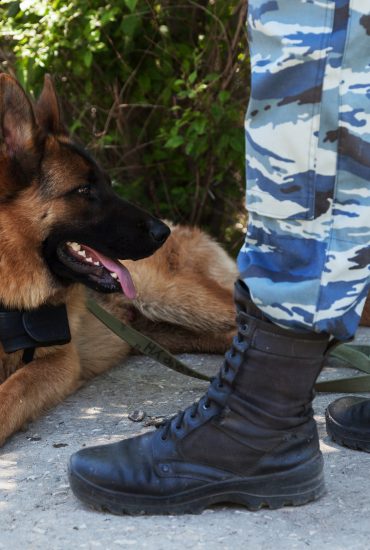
{"x": 17, "y": 120}
{"x": 47, "y": 109}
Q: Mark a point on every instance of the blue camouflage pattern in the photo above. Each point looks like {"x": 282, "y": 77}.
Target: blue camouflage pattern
{"x": 306, "y": 255}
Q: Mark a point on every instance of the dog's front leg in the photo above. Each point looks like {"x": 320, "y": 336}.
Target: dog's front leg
{"x": 37, "y": 386}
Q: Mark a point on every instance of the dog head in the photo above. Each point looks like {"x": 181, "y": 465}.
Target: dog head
{"x": 60, "y": 220}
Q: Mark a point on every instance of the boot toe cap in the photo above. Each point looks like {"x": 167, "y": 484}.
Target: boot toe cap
{"x": 120, "y": 467}
{"x": 348, "y": 422}
{"x": 350, "y": 412}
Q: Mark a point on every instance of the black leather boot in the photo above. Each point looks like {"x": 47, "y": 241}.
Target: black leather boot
{"x": 348, "y": 422}
{"x": 250, "y": 440}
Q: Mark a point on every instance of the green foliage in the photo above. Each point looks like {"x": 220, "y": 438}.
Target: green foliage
{"x": 156, "y": 88}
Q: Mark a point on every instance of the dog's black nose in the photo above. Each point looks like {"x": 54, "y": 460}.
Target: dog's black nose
{"x": 158, "y": 230}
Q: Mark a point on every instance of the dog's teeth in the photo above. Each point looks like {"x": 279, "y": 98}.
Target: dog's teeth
{"x": 82, "y": 253}
{"x": 97, "y": 263}
{"x": 75, "y": 246}
{"x": 114, "y": 275}
{"x": 89, "y": 260}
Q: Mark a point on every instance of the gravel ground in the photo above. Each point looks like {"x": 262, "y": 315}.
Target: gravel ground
{"x": 38, "y": 510}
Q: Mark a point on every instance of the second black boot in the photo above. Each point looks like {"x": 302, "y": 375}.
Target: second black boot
{"x": 348, "y": 422}
{"x": 250, "y": 440}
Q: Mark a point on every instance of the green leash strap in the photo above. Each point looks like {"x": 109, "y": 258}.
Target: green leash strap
{"x": 358, "y": 358}
{"x": 352, "y": 384}
{"x": 142, "y": 343}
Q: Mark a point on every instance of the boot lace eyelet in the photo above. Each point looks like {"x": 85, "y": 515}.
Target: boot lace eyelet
{"x": 205, "y": 406}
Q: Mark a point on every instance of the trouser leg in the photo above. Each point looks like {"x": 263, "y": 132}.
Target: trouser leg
{"x": 306, "y": 254}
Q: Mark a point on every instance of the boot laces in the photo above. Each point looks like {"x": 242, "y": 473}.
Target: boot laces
{"x": 214, "y": 393}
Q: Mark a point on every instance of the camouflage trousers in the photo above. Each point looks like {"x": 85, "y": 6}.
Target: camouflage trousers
{"x": 306, "y": 255}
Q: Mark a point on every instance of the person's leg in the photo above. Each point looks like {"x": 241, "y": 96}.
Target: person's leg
{"x": 252, "y": 438}
{"x": 307, "y": 254}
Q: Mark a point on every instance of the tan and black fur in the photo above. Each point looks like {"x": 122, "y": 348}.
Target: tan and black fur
{"x": 52, "y": 191}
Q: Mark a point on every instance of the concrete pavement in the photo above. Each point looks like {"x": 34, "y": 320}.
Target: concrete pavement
{"x": 38, "y": 510}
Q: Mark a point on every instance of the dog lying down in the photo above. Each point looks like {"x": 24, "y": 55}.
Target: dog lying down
{"x": 62, "y": 231}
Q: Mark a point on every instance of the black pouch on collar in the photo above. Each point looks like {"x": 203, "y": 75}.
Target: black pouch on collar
{"x": 45, "y": 326}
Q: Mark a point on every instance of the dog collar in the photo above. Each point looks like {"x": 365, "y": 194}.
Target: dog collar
{"x": 27, "y": 330}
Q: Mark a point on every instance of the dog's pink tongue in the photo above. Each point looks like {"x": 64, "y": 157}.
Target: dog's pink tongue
{"x": 123, "y": 273}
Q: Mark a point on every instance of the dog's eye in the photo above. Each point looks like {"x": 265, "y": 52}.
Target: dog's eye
{"x": 83, "y": 190}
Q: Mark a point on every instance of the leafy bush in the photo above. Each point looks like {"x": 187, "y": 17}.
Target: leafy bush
{"x": 156, "y": 88}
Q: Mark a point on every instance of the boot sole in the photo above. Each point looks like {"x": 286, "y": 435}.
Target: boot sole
{"x": 295, "y": 487}
{"x": 344, "y": 437}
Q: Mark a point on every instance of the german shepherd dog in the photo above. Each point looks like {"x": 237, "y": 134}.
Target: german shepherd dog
{"x": 62, "y": 231}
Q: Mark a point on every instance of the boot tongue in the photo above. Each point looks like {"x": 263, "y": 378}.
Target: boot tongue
{"x": 128, "y": 287}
